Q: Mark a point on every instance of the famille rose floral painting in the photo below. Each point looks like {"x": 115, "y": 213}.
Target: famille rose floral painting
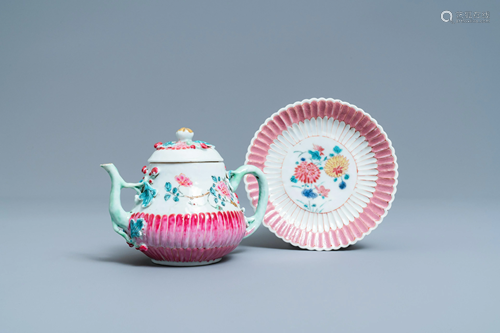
{"x": 313, "y": 163}
{"x": 218, "y": 195}
{"x": 331, "y": 169}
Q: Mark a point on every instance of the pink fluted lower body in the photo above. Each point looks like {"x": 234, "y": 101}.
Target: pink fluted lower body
{"x": 185, "y": 238}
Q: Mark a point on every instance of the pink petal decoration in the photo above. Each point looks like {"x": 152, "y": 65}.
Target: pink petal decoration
{"x": 356, "y": 224}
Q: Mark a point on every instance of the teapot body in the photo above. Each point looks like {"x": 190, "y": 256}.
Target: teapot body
{"x": 186, "y": 212}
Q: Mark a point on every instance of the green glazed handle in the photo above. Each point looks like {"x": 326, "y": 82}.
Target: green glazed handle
{"x": 235, "y": 177}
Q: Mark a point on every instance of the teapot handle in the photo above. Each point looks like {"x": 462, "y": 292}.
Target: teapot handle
{"x": 235, "y": 177}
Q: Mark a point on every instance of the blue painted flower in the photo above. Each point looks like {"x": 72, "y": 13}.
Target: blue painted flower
{"x": 147, "y": 195}
{"x": 293, "y": 179}
{"x": 302, "y": 159}
{"x": 342, "y": 185}
{"x": 136, "y": 228}
{"x": 337, "y": 149}
{"x": 346, "y": 177}
{"x": 309, "y": 193}
{"x": 315, "y": 155}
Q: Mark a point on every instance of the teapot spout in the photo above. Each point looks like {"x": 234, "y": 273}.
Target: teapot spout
{"x": 119, "y": 217}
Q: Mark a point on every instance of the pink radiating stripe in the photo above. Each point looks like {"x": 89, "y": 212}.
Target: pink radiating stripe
{"x": 348, "y": 232}
{"x": 387, "y": 174}
{"x": 258, "y": 151}
{"x": 386, "y": 167}
{"x": 293, "y": 115}
{"x": 350, "y": 113}
{"x": 254, "y": 185}
{"x": 300, "y": 113}
{"x": 380, "y": 203}
{"x": 314, "y": 239}
{"x": 280, "y": 123}
{"x": 370, "y": 126}
{"x": 171, "y": 231}
{"x": 230, "y": 228}
{"x": 307, "y": 110}
{"x": 286, "y": 230}
{"x": 217, "y": 226}
{"x": 362, "y": 122}
{"x": 256, "y": 160}
{"x": 156, "y": 230}
{"x": 361, "y": 226}
{"x": 386, "y": 181}
{"x": 373, "y": 134}
{"x": 385, "y": 190}
{"x": 377, "y": 140}
{"x": 227, "y": 228}
{"x": 179, "y": 230}
{"x": 329, "y": 109}
{"x": 342, "y": 112}
{"x": 263, "y": 137}
{"x": 314, "y": 109}
{"x": 208, "y": 231}
{"x": 336, "y": 110}
{"x": 292, "y": 233}
{"x": 383, "y": 153}
{"x": 274, "y": 130}
{"x": 333, "y": 237}
{"x": 261, "y": 145}
{"x": 386, "y": 160}
{"x": 354, "y": 229}
{"x": 308, "y": 240}
{"x": 341, "y": 237}
{"x": 370, "y": 213}
{"x": 381, "y": 146}
{"x": 281, "y": 227}
{"x": 286, "y": 118}
{"x": 328, "y": 242}
{"x": 296, "y": 235}
{"x": 376, "y": 210}
{"x": 355, "y": 119}
{"x": 321, "y": 108}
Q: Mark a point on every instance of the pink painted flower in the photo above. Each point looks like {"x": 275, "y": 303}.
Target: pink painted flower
{"x": 223, "y": 189}
{"x": 319, "y": 148}
{"x": 183, "y": 180}
{"x": 307, "y": 172}
{"x": 323, "y": 191}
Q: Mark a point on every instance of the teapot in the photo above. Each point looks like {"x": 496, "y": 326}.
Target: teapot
{"x": 187, "y": 212}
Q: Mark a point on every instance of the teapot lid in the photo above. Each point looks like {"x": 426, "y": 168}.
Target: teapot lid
{"x": 184, "y": 150}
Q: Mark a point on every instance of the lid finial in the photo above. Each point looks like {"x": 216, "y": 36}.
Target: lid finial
{"x": 184, "y": 134}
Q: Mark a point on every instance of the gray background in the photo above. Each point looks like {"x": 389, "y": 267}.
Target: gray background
{"x": 90, "y": 82}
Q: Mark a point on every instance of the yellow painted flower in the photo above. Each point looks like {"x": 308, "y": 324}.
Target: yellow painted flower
{"x": 336, "y": 166}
